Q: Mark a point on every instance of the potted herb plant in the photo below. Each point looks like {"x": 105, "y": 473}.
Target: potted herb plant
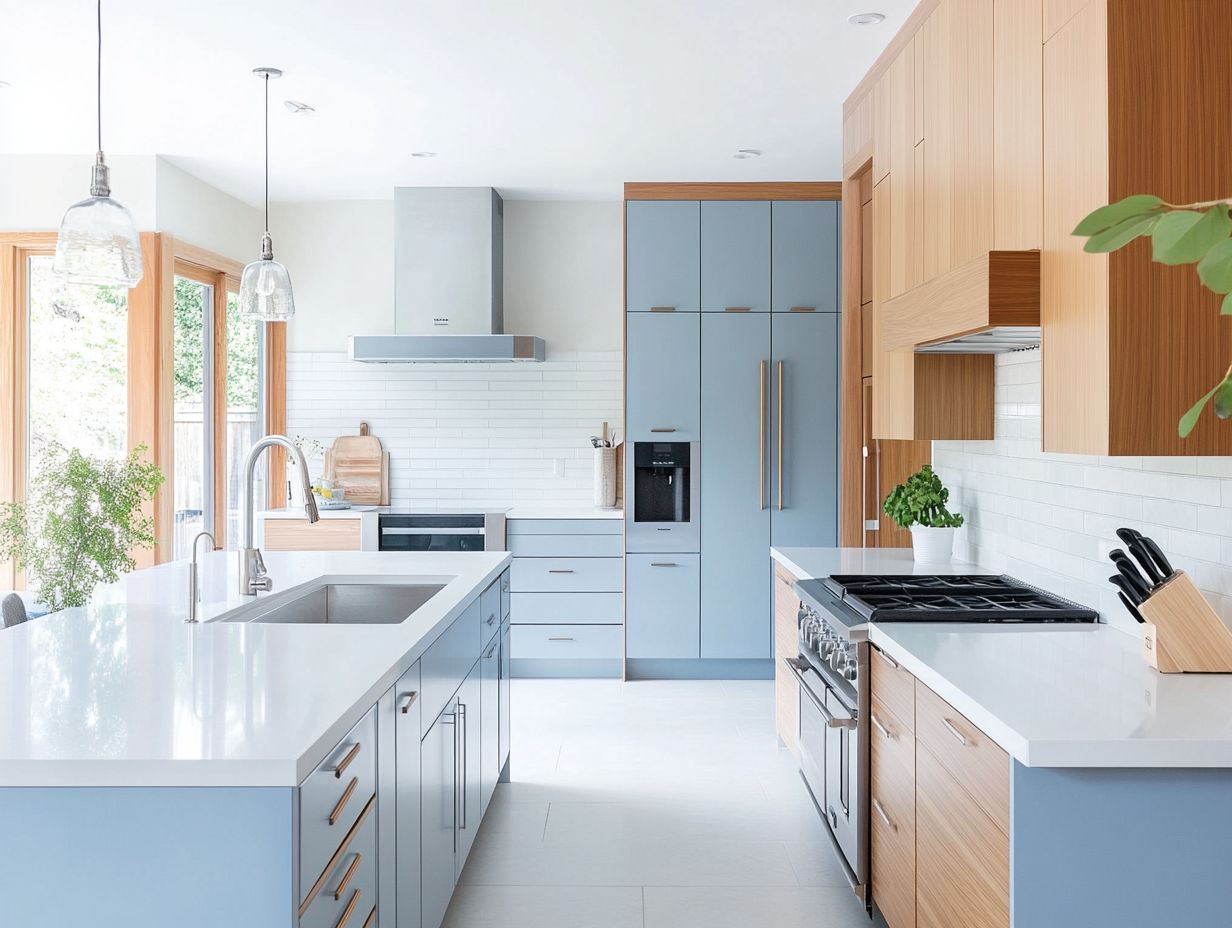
{"x": 80, "y": 522}
{"x": 918, "y": 504}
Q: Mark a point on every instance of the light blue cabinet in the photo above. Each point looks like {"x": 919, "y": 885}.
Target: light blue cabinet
{"x": 735, "y": 523}
{"x": 735, "y": 256}
{"x": 805, "y": 236}
{"x": 804, "y": 478}
{"x": 663, "y": 247}
{"x": 663, "y": 383}
{"x": 663, "y": 619}
{"x": 470, "y": 741}
{"x": 489, "y": 720}
{"x": 438, "y": 816}
{"x": 407, "y": 707}
{"x": 506, "y": 674}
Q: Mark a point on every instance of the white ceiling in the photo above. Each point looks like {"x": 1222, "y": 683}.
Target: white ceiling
{"x": 539, "y": 98}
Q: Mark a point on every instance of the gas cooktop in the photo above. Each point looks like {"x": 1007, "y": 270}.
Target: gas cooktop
{"x": 957, "y": 598}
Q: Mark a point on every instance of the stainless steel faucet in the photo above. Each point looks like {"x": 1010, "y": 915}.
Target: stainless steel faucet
{"x": 194, "y": 581}
{"x": 253, "y": 577}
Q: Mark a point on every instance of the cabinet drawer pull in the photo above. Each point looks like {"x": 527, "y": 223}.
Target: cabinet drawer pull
{"x": 346, "y": 877}
{"x": 408, "y": 700}
{"x": 346, "y": 913}
{"x": 371, "y": 919}
{"x": 962, "y": 739}
{"x": 885, "y": 657}
{"x": 664, "y": 564}
{"x": 738, "y": 309}
{"x": 345, "y": 798}
{"x": 346, "y": 761}
{"x": 663, "y": 309}
{"x": 885, "y": 732}
{"x": 804, "y": 309}
{"x": 338, "y": 855}
{"x": 492, "y": 619}
{"x": 881, "y": 813}
{"x": 491, "y": 651}
{"x": 560, "y": 571}
{"x": 559, "y": 638}
{"x": 663, "y": 430}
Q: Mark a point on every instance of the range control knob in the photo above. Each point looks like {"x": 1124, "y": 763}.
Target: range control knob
{"x": 838, "y": 659}
{"x": 850, "y": 671}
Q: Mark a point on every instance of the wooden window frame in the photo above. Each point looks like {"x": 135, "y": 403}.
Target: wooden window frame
{"x": 151, "y": 402}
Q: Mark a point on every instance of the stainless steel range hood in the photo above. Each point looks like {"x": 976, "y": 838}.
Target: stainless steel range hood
{"x": 448, "y": 282}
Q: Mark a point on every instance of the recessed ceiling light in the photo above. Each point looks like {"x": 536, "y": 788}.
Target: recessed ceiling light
{"x": 296, "y": 107}
{"x": 423, "y": 154}
{"x": 747, "y": 153}
{"x": 866, "y": 19}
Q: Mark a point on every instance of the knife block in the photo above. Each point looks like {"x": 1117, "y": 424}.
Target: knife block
{"x": 1182, "y": 633}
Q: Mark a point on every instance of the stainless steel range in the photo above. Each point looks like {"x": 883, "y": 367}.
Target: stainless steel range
{"x": 832, "y": 669}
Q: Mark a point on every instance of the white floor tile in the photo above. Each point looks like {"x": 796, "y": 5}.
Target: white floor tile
{"x": 745, "y": 907}
{"x": 545, "y": 907}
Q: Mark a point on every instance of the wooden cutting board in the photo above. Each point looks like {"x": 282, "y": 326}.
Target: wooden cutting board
{"x": 360, "y": 465}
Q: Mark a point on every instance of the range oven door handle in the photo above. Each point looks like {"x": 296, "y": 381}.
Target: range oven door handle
{"x": 831, "y": 720}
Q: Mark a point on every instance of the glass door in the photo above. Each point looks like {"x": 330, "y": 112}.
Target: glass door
{"x": 245, "y": 413}
{"x": 193, "y": 378}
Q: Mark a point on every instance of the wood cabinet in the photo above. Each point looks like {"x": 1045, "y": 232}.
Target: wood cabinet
{"x": 299, "y": 535}
{"x": 1129, "y": 345}
{"x": 939, "y": 789}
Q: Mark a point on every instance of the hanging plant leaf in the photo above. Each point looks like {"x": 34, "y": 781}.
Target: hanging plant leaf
{"x": 1183, "y": 237}
{"x": 1122, "y": 233}
{"x": 1215, "y": 270}
{"x": 1190, "y": 419}
{"x": 1107, "y": 216}
{"x": 1223, "y": 398}
{"x": 1226, "y": 308}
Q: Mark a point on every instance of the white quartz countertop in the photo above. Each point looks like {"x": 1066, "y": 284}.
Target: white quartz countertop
{"x": 1050, "y": 695}
{"x": 125, "y": 693}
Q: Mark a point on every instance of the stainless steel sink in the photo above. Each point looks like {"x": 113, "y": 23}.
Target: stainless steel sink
{"x": 344, "y": 604}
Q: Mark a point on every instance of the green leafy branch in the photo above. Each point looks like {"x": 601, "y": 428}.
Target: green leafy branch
{"x": 1198, "y": 233}
{"x": 920, "y": 500}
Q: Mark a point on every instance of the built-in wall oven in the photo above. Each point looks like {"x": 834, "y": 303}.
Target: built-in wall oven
{"x": 441, "y": 531}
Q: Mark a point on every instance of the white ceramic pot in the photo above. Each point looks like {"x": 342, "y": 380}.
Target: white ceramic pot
{"x": 932, "y": 545}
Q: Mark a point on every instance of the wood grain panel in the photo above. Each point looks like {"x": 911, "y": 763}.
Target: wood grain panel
{"x": 276, "y": 408}
{"x": 858, "y": 136}
{"x": 955, "y": 396}
{"x": 852, "y": 365}
{"x": 882, "y": 128}
{"x": 299, "y": 535}
{"x": 962, "y": 857}
{"x": 901, "y": 38}
{"x": 219, "y": 425}
{"x": 866, "y": 251}
{"x": 786, "y": 644}
{"x": 1018, "y": 124}
{"x": 904, "y": 271}
{"x": 939, "y": 137}
{"x": 866, "y": 340}
{"x": 971, "y": 95}
{"x": 973, "y": 758}
{"x": 894, "y": 688}
{"x": 893, "y": 838}
{"x": 1056, "y": 13}
{"x": 1074, "y": 284}
{"x": 1170, "y": 69}
{"x": 999, "y": 288}
{"x": 870, "y": 451}
{"x": 774, "y": 190}
{"x": 893, "y": 371}
{"x": 917, "y": 57}
{"x": 897, "y": 460}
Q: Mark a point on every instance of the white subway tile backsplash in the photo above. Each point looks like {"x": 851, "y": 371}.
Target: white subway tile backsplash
{"x": 466, "y": 434}
{"x": 1051, "y": 519}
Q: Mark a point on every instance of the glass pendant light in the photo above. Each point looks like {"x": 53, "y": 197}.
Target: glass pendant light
{"x": 265, "y": 288}
{"x": 98, "y": 242}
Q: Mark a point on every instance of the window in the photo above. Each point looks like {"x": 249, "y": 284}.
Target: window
{"x": 194, "y": 451}
{"x": 245, "y": 410}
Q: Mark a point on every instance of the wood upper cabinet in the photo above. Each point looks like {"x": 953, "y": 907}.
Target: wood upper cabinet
{"x": 1129, "y": 345}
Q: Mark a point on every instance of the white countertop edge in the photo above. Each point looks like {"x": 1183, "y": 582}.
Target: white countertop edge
{"x": 91, "y": 773}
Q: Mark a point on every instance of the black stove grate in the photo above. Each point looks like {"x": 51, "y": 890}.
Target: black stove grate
{"x": 958, "y": 598}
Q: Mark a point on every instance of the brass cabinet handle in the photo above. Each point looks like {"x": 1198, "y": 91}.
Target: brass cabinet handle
{"x": 346, "y": 877}
{"x": 962, "y": 739}
{"x": 804, "y": 309}
{"x": 346, "y": 913}
{"x": 408, "y": 701}
{"x": 761, "y": 436}
{"x": 881, "y": 812}
{"x": 880, "y": 726}
{"x": 346, "y": 761}
{"x": 738, "y": 309}
{"x": 338, "y": 855}
{"x": 663, "y": 309}
{"x": 371, "y": 919}
{"x": 346, "y": 797}
{"x": 780, "y": 436}
{"x": 662, "y": 430}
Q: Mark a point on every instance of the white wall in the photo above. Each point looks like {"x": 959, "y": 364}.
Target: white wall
{"x": 341, "y": 259}
{"x": 1050, "y": 519}
{"x": 201, "y": 215}
{"x": 35, "y": 190}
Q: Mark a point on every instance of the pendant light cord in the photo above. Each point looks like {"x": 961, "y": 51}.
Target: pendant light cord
{"x": 266, "y": 152}
{"x": 99, "y": 76}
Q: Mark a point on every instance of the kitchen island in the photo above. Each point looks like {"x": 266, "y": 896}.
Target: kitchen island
{"x": 1023, "y": 770}
{"x": 248, "y": 769}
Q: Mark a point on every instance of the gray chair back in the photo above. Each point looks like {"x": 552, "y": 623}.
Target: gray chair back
{"x": 12, "y": 610}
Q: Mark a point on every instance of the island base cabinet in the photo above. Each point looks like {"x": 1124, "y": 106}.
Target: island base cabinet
{"x": 506, "y": 671}
{"x": 348, "y": 895}
{"x": 470, "y": 747}
{"x": 407, "y": 786}
{"x": 786, "y": 645}
{"x": 489, "y": 721}
{"x": 962, "y": 857}
{"x": 438, "y": 816}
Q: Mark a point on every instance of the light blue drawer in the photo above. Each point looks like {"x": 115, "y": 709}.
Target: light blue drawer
{"x": 567, "y": 642}
{"x": 490, "y": 612}
{"x": 347, "y": 895}
{"x": 447, "y": 662}
{"x": 568, "y": 574}
{"x": 564, "y": 527}
{"x": 566, "y": 546}
{"x": 664, "y": 606}
{"x": 568, "y": 608}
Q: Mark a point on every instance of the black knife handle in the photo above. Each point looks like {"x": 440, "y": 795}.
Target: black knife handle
{"x": 1127, "y": 589}
{"x": 1157, "y": 555}
{"x": 1130, "y": 572}
{"x": 1143, "y": 557}
{"x": 1128, "y": 535}
{"x": 1133, "y": 610}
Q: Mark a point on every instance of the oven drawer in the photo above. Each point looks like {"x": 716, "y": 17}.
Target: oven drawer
{"x": 894, "y": 687}
{"x": 967, "y": 753}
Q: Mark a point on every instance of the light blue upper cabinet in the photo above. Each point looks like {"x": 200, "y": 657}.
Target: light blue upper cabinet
{"x": 805, "y": 249}
{"x": 663, "y": 382}
{"x": 662, "y": 606}
{"x": 804, "y": 477}
{"x": 735, "y": 486}
{"x": 735, "y": 256}
{"x": 663, "y": 255}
